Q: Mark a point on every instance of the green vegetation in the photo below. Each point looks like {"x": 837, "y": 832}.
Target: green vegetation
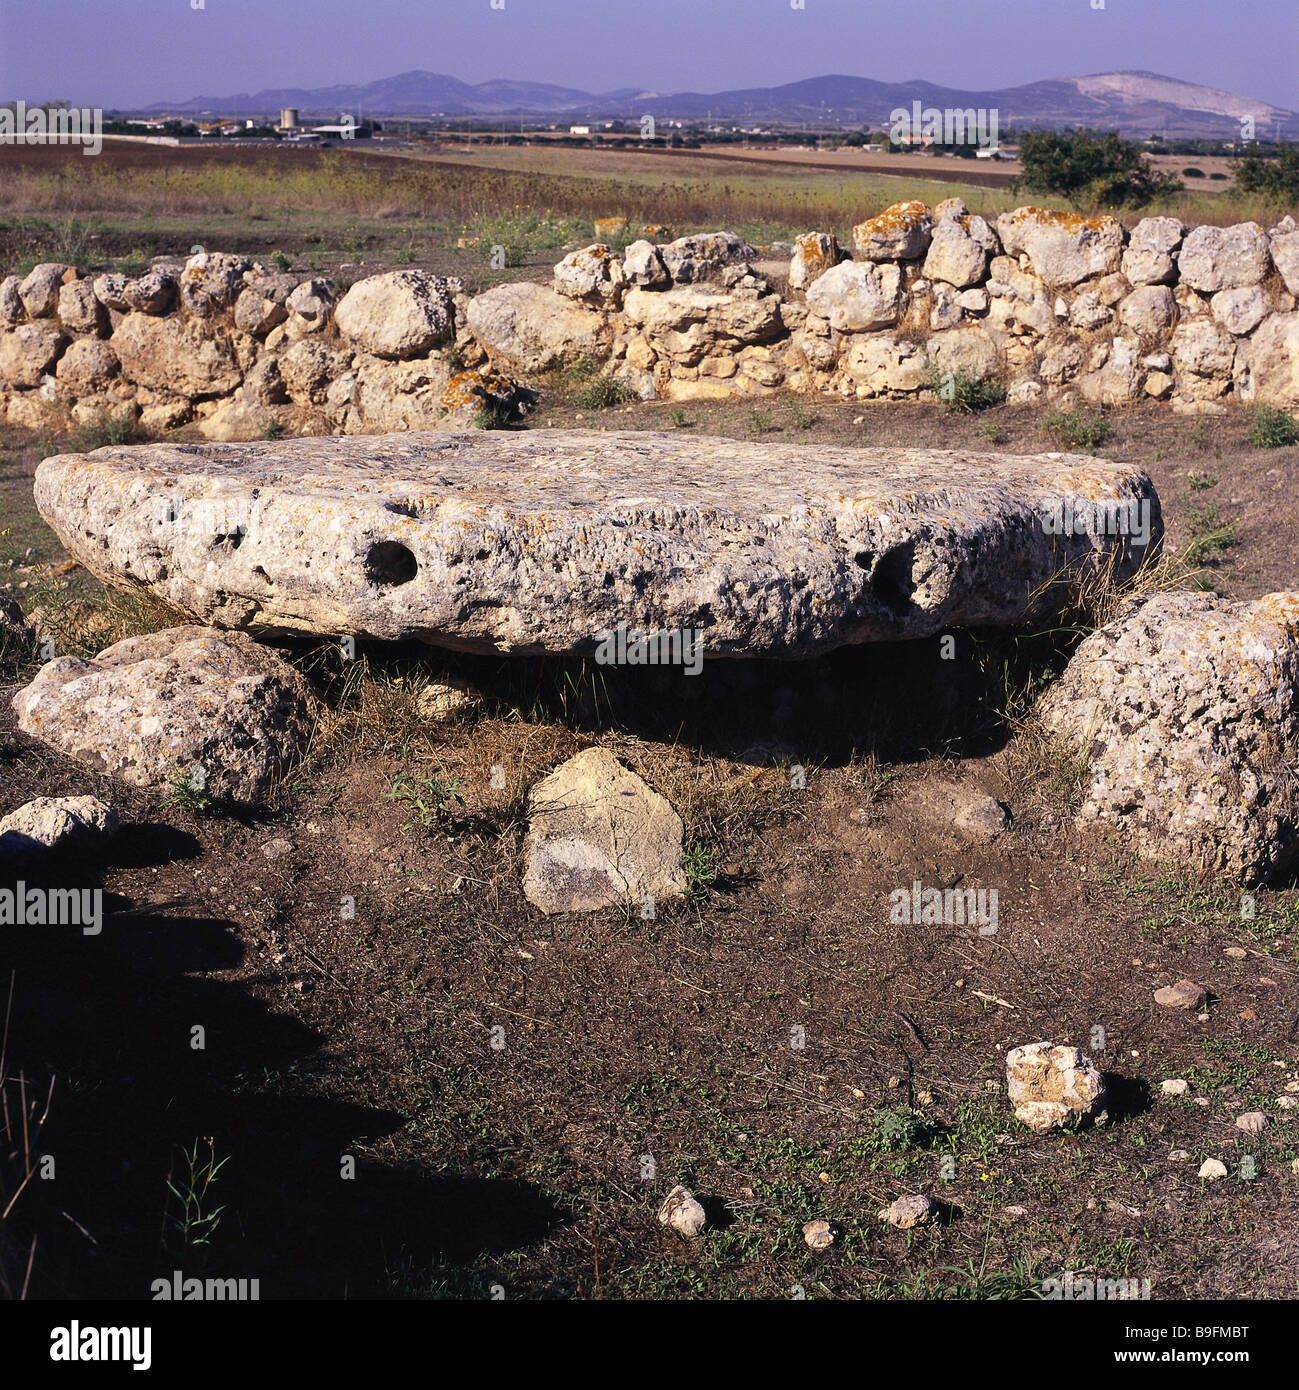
{"x": 963, "y": 392}
{"x": 1270, "y": 428}
{"x": 429, "y": 799}
{"x": 1079, "y": 428}
{"x": 1276, "y": 179}
{"x": 1090, "y": 169}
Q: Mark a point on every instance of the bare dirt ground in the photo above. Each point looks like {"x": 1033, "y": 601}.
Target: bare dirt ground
{"x": 638, "y": 1054}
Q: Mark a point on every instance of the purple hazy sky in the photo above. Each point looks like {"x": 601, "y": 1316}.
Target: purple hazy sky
{"x": 136, "y": 52}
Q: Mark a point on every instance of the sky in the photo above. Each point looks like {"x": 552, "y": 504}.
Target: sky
{"x": 123, "y": 53}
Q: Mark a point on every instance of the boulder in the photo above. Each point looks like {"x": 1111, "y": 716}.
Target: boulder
{"x": 306, "y": 369}
{"x": 1241, "y": 311}
{"x": 152, "y": 292}
{"x": 399, "y": 314}
{"x": 535, "y": 541}
{"x": 78, "y": 310}
{"x": 210, "y": 282}
{"x": 1053, "y": 1087}
{"x": 54, "y": 823}
{"x": 1149, "y": 311}
{"x": 960, "y": 250}
{"x": 691, "y": 322}
{"x": 1224, "y": 258}
{"x": 1283, "y": 243}
{"x": 690, "y": 259}
{"x": 899, "y": 233}
{"x": 11, "y": 303}
{"x": 483, "y": 389}
{"x": 394, "y": 396}
{"x": 213, "y": 708}
{"x": 1185, "y": 706}
{"x": 1018, "y": 301}
{"x": 28, "y": 352}
{"x": 88, "y": 365}
{"x": 857, "y": 295}
{"x": 879, "y": 364}
{"x": 1063, "y": 248}
{"x": 238, "y": 420}
{"x": 186, "y": 358}
{"x": 311, "y": 304}
{"x": 1274, "y": 361}
{"x": 1203, "y": 357}
{"x": 39, "y": 290}
{"x": 534, "y": 327}
{"x": 643, "y": 265}
{"x": 257, "y": 314}
{"x": 599, "y": 836}
{"x": 1148, "y": 259}
{"x": 594, "y": 273}
{"x": 110, "y": 290}
{"x": 814, "y": 254}
{"x": 968, "y": 350}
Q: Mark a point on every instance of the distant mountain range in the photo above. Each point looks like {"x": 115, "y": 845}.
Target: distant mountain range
{"x": 1135, "y": 103}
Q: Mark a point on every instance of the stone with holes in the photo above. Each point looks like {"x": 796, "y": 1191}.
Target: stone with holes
{"x": 536, "y": 541}
{"x": 1053, "y": 1087}
{"x": 1185, "y": 708}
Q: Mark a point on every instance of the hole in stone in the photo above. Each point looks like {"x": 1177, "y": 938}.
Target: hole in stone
{"x": 891, "y": 579}
{"x": 864, "y": 559}
{"x": 390, "y": 562}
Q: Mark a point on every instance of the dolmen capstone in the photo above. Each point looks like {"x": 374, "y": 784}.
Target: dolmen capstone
{"x": 538, "y": 541}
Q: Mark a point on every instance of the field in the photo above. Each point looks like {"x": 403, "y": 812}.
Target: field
{"x": 636, "y": 1053}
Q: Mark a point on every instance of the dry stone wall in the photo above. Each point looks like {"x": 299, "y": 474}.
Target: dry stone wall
{"x": 1056, "y": 306}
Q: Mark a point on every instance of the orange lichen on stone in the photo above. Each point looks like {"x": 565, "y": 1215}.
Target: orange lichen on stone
{"x": 1070, "y": 221}
{"x": 901, "y": 215}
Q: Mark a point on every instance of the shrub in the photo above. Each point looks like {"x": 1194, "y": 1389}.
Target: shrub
{"x": 1270, "y": 428}
{"x": 1276, "y": 179}
{"x": 602, "y": 393}
{"x": 1079, "y": 428}
{"x": 959, "y": 390}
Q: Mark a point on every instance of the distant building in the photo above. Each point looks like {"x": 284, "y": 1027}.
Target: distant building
{"x": 579, "y": 130}
{"x": 288, "y": 118}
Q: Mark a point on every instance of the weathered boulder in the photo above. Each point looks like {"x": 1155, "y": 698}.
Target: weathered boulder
{"x": 967, "y": 350}
{"x": 880, "y": 363}
{"x": 535, "y": 541}
{"x": 214, "y": 708}
{"x": 152, "y": 292}
{"x": 307, "y": 367}
{"x": 172, "y": 354}
{"x": 1053, "y": 1087}
{"x": 858, "y": 295}
{"x": 210, "y": 282}
{"x": 257, "y": 313}
{"x": 1149, "y": 311}
{"x": 486, "y": 390}
{"x": 1283, "y": 242}
{"x": 54, "y": 823}
{"x": 1203, "y": 357}
{"x": 310, "y": 305}
{"x": 643, "y": 265}
{"x": 1018, "y": 303}
{"x": 1186, "y": 707}
{"x": 960, "y": 250}
{"x": 534, "y": 327}
{"x": 233, "y": 421}
{"x": 28, "y": 352}
{"x": 395, "y": 396}
{"x": 594, "y": 273}
{"x": 599, "y": 836}
{"x": 1224, "y": 258}
{"x": 690, "y": 259}
{"x": 683, "y": 1212}
{"x": 814, "y": 254}
{"x": 1241, "y": 311}
{"x": 78, "y": 309}
{"x": 11, "y": 302}
{"x": 39, "y": 289}
{"x": 87, "y": 366}
{"x": 1063, "y": 248}
{"x": 1148, "y": 259}
{"x": 399, "y": 314}
{"x": 691, "y": 322}
{"x": 899, "y": 233}
{"x": 1274, "y": 361}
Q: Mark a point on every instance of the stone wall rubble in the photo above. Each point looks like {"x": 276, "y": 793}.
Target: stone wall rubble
{"x": 1056, "y": 306}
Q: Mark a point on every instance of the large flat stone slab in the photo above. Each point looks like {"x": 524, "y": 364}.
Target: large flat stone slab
{"x": 539, "y": 540}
